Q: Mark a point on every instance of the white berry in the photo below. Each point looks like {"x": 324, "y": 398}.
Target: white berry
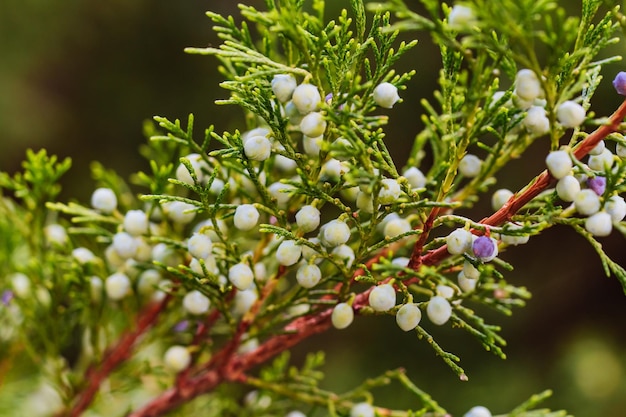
{"x": 389, "y": 191}
{"x": 246, "y": 217}
{"x": 117, "y": 286}
{"x": 601, "y": 162}
{"x": 313, "y": 124}
{"x": 342, "y": 316}
{"x": 83, "y": 255}
{"x": 536, "y": 122}
{"x": 104, "y": 200}
{"x": 257, "y": 148}
{"x": 620, "y": 150}
{"x": 559, "y": 164}
{"x": 570, "y": 114}
{"x": 308, "y": 218}
{"x": 306, "y": 98}
{"x": 345, "y": 253}
{"x": 408, "y": 316}
{"x": 466, "y": 284}
{"x": 55, "y": 234}
{"x": 470, "y": 166}
{"x": 514, "y": 240}
{"x": 197, "y": 165}
{"x": 364, "y": 202}
{"x": 124, "y": 244}
{"x": 362, "y": 410}
{"x": 386, "y": 95}
{"x": 148, "y": 281}
{"x": 439, "y": 310}
{"x": 382, "y": 297}
{"x": 500, "y": 197}
{"x": 587, "y": 202}
{"x": 459, "y": 241}
{"x": 308, "y": 275}
{"x": 567, "y": 188}
{"x": 136, "y": 222}
{"x": 196, "y": 303}
{"x": 283, "y": 86}
{"x": 616, "y": 207}
{"x": 177, "y": 358}
{"x": 396, "y": 227}
{"x": 336, "y": 232}
{"x": 312, "y": 145}
{"x": 21, "y": 285}
{"x": 527, "y": 85}
{"x": 445, "y": 291}
{"x": 470, "y": 270}
{"x": 415, "y": 177}
{"x": 200, "y": 246}
{"x": 180, "y": 212}
{"x": 598, "y": 149}
{"x": 288, "y": 252}
{"x": 599, "y": 224}
{"x": 243, "y": 301}
{"x": 241, "y": 276}
{"x": 478, "y": 411}
{"x": 281, "y": 192}
{"x": 461, "y": 18}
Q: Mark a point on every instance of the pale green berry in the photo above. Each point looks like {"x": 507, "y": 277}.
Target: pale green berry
{"x": 470, "y": 166}
{"x": 470, "y": 270}
{"x": 21, "y": 285}
{"x": 124, "y": 244}
{"x": 241, "y": 276}
{"x": 389, "y": 191}
{"x": 200, "y": 246}
{"x": 570, "y": 114}
{"x": 459, "y": 241}
{"x": 527, "y": 85}
{"x": 177, "y": 358}
{"x": 500, "y": 197}
{"x": 95, "y": 288}
{"x": 415, "y": 177}
{"x": 243, "y": 301}
{"x": 466, "y": 284}
{"x": 246, "y": 217}
{"x": 288, "y": 252}
{"x": 362, "y": 410}
{"x": 308, "y": 275}
{"x": 345, "y": 253}
{"x": 386, "y": 95}
{"x": 179, "y": 212}
{"x": 336, "y": 232}
{"x": 598, "y": 149}
{"x": 313, "y": 124}
{"x": 260, "y": 272}
{"x": 620, "y": 150}
{"x": 478, "y": 411}
{"x": 408, "y": 316}
{"x": 283, "y": 86}
{"x": 56, "y": 234}
{"x": 365, "y": 202}
{"x": 281, "y": 192}
{"x": 514, "y": 240}
{"x": 148, "y": 281}
{"x": 536, "y": 122}
{"x": 308, "y": 218}
{"x": 257, "y": 148}
{"x": 445, "y": 291}
{"x": 197, "y": 165}
{"x": 396, "y": 227}
{"x": 461, "y": 18}
{"x": 599, "y": 224}
{"x": 559, "y": 164}
{"x": 117, "y": 286}
{"x": 439, "y": 310}
{"x": 312, "y": 145}
{"x": 567, "y": 188}
{"x": 616, "y": 207}
{"x": 342, "y": 316}
{"x": 601, "y": 162}
{"x": 83, "y": 255}
{"x": 382, "y": 297}
{"x": 587, "y": 202}
{"x": 308, "y": 252}
{"x": 196, "y": 303}
{"x": 292, "y": 113}
{"x": 104, "y": 200}
{"x": 306, "y": 98}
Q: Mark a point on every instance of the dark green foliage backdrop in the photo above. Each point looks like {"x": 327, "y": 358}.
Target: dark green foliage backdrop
{"x": 80, "y": 78}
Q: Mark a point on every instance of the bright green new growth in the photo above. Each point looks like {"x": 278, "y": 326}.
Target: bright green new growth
{"x": 71, "y": 325}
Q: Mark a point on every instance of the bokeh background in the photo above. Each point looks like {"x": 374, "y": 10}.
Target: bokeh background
{"x": 80, "y": 78}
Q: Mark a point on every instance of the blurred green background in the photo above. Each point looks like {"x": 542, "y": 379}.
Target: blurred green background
{"x": 80, "y": 78}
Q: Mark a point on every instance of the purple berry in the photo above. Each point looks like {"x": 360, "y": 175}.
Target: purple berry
{"x": 597, "y": 184}
{"x": 181, "y": 326}
{"x": 485, "y": 248}
{"x": 329, "y": 98}
{"x": 6, "y": 297}
{"x": 620, "y": 83}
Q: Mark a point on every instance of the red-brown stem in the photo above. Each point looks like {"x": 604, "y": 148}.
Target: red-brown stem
{"x": 306, "y": 326}
{"x": 416, "y": 256}
{"x": 539, "y": 184}
{"x": 119, "y": 353}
